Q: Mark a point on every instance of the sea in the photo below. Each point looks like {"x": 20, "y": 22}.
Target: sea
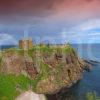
{"x": 91, "y": 80}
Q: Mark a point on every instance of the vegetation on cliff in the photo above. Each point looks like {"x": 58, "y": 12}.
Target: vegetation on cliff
{"x": 43, "y": 69}
{"x": 92, "y": 96}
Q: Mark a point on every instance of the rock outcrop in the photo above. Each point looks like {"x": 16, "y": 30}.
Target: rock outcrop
{"x": 49, "y": 70}
{"x": 29, "y": 95}
{"x": 65, "y": 72}
{"x": 12, "y": 63}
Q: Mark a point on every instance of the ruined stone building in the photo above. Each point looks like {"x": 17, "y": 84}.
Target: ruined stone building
{"x": 26, "y": 44}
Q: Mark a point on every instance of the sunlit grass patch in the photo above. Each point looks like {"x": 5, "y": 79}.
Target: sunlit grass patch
{"x": 10, "y": 86}
{"x": 92, "y": 96}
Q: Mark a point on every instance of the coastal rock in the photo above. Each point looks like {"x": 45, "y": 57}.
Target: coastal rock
{"x": 29, "y": 95}
{"x": 17, "y": 64}
{"x": 49, "y": 72}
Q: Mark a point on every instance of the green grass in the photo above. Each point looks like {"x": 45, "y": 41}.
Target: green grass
{"x": 44, "y": 71}
{"x": 10, "y": 83}
{"x": 92, "y": 96}
{"x": 58, "y": 74}
{"x": 68, "y": 49}
{"x": 0, "y": 61}
{"x": 42, "y": 49}
{"x": 44, "y": 74}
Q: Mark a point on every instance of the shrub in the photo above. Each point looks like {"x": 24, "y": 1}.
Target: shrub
{"x": 92, "y": 96}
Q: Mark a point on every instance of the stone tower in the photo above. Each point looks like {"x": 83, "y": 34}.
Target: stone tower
{"x": 25, "y": 44}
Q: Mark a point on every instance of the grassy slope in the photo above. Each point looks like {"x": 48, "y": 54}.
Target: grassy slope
{"x": 10, "y": 85}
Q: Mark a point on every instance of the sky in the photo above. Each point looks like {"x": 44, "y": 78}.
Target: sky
{"x": 54, "y": 21}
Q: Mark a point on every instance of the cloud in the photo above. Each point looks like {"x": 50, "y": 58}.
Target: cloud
{"x": 80, "y": 38}
{"x": 26, "y": 7}
{"x": 29, "y": 10}
{"x": 87, "y": 32}
{"x": 90, "y": 25}
{"x": 25, "y": 10}
{"x": 67, "y": 20}
{"x": 6, "y": 39}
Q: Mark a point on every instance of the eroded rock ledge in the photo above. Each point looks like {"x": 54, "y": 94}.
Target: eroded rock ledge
{"x": 48, "y": 69}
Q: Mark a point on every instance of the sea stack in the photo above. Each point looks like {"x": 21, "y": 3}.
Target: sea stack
{"x": 25, "y": 44}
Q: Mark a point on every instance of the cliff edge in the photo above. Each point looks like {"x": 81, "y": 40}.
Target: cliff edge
{"x": 42, "y": 69}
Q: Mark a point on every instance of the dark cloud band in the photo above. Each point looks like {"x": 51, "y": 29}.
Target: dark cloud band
{"x": 25, "y": 6}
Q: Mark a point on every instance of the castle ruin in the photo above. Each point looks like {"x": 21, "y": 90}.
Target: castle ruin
{"x": 25, "y": 44}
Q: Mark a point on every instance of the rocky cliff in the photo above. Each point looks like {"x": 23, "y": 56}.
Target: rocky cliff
{"x": 45, "y": 69}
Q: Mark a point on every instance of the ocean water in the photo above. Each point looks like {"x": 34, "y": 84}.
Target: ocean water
{"x": 91, "y": 80}
{"x": 3, "y": 47}
{"x": 88, "y": 51}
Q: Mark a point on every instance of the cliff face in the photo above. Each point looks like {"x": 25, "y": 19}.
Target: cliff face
{"x": 17, "y": 64}
{"x": 49, "y": 70}
{"x": 66, "y": 70}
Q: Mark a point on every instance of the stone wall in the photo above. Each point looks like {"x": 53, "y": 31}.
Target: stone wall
{"x": 26, "y": 44}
